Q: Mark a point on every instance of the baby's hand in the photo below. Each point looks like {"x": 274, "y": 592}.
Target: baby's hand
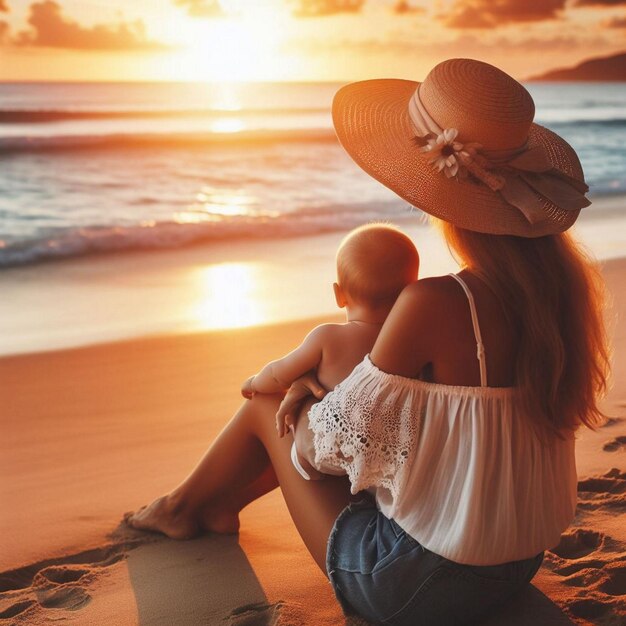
{"x": 246, "y": 389}
{"x": 284, "y": 423}
{"x": 301, "y": 388}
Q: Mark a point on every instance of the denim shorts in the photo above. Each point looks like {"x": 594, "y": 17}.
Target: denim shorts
{"x": 382, "y": 574}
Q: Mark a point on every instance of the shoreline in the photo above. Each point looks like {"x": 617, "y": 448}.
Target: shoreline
{"x": 241, "y": 283}
{"x": 91, "y": 300}
{"x": 605, "y": 205}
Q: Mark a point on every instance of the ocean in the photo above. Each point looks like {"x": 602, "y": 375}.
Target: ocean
{"x": 96, "y": 167}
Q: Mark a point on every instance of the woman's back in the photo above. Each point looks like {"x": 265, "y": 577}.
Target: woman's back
{"x": 430, "y": 334}
{"x": 454, "y": 351}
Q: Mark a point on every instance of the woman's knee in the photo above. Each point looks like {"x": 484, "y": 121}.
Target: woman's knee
{"x": 260, "y": 411}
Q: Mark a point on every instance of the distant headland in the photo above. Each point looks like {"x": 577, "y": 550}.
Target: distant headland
{"x": 611, "y": 68}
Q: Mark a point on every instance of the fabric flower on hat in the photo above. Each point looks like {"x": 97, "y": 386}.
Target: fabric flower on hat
{"x": 448, "y": 155}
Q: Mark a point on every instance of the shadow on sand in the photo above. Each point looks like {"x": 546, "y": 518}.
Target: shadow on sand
{"x": 530, "y": 608}
{"x": 198, "y": 582}
{"x": 178, "y": 583}
{"x": 210, "y": 581}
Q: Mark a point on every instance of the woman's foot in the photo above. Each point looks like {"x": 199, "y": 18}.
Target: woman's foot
{"x": 166, "y": 516}
{"x": 217, "y": 519}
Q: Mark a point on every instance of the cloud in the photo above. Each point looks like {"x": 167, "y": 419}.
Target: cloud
{"x": 4, "y": 26}
{"x": 615, "y": 22}
{"x": 472, "y": 45}
{"x": 492, "y": 13}
{"x": 319, "y": 8}
{"x": 600, "y": 3}
{"x": 51, "y": 29}
{"x": 201, "y": 8}
{"x": 301, "y": 8}
{"x": 403, "y": 7}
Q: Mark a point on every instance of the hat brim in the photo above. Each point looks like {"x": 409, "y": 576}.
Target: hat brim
{"x": 372, "y": 124}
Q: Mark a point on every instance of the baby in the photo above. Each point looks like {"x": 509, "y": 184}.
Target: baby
{"x": 374, "y": 264}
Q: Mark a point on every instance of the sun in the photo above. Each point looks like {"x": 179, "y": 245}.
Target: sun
{"x": 243, "y": 45}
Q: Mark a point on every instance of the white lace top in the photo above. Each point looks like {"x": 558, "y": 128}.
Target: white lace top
{"x": 458, "y": 468}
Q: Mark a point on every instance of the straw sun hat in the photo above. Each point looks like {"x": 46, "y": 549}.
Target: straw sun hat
{"x": 463, "y": 147}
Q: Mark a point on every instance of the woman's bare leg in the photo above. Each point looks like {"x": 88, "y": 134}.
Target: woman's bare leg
{"x": 208, "y": 498}
{"x": 222, "y": 514}
{"x": 237, "y": 458}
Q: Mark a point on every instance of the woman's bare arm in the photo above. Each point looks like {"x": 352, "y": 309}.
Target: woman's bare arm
{"x": 407, "y": 339}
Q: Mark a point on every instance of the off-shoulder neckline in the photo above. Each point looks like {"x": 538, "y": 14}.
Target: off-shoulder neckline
{"x": 442, "y": 387}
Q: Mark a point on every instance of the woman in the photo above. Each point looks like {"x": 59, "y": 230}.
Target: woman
{"x": 460, "y": 424}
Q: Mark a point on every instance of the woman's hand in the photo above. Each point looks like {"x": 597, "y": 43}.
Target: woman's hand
{"x": 301, "y": 388}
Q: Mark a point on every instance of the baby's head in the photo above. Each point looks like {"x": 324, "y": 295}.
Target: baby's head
{"x": 374, "y": 264}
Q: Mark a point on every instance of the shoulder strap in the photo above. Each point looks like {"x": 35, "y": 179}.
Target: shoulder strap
{"x": 480, "y": 348}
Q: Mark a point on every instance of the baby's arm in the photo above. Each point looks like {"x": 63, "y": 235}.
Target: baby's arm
{"x": 278, "y": 375}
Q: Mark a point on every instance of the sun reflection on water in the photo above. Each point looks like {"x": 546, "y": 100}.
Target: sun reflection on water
{"x": 213, "y": 205}
{"x": 227, "y": 125}
{"x": 221, "y": 203}
{"x": 230, "y": 296}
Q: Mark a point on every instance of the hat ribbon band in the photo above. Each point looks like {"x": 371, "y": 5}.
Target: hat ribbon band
{"x": 517, "y": 174}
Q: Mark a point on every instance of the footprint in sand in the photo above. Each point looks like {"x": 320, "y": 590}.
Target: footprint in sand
{"x": 54, "y": 569}
{"x": 271, "y": 614}
{"x": 16, "y": 609}
{"x": 58, "y": 583}
{"x": 259, "y": 614}
{"x": 582, "y": 551}
{"x": 609, "y": 579}
{"x": 608, "y": 490}
{"x": 69, "y": 598}
{"x": 583, "y": 578}
{"x": 57, "y": 587}
{"x": 615, "y": 582}
{"x": 60, "y": 574}
{"x": 590, "y": 609}
{"x": 52, "y": 587}
{"x": 592, "y": 563}
{"x": 22, "y": 577}
{"x": 578, "y": 543}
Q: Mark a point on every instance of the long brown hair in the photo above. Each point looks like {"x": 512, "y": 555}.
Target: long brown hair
{"x": 553, "y": 293}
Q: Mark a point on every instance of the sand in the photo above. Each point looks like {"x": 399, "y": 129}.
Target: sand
{"x": 90, "y": 433}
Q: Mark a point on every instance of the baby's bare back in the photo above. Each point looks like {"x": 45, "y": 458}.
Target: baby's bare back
{"x": 345, "y": 347}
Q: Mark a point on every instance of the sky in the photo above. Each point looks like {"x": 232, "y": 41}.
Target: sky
{"x": 297, "y": 40}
